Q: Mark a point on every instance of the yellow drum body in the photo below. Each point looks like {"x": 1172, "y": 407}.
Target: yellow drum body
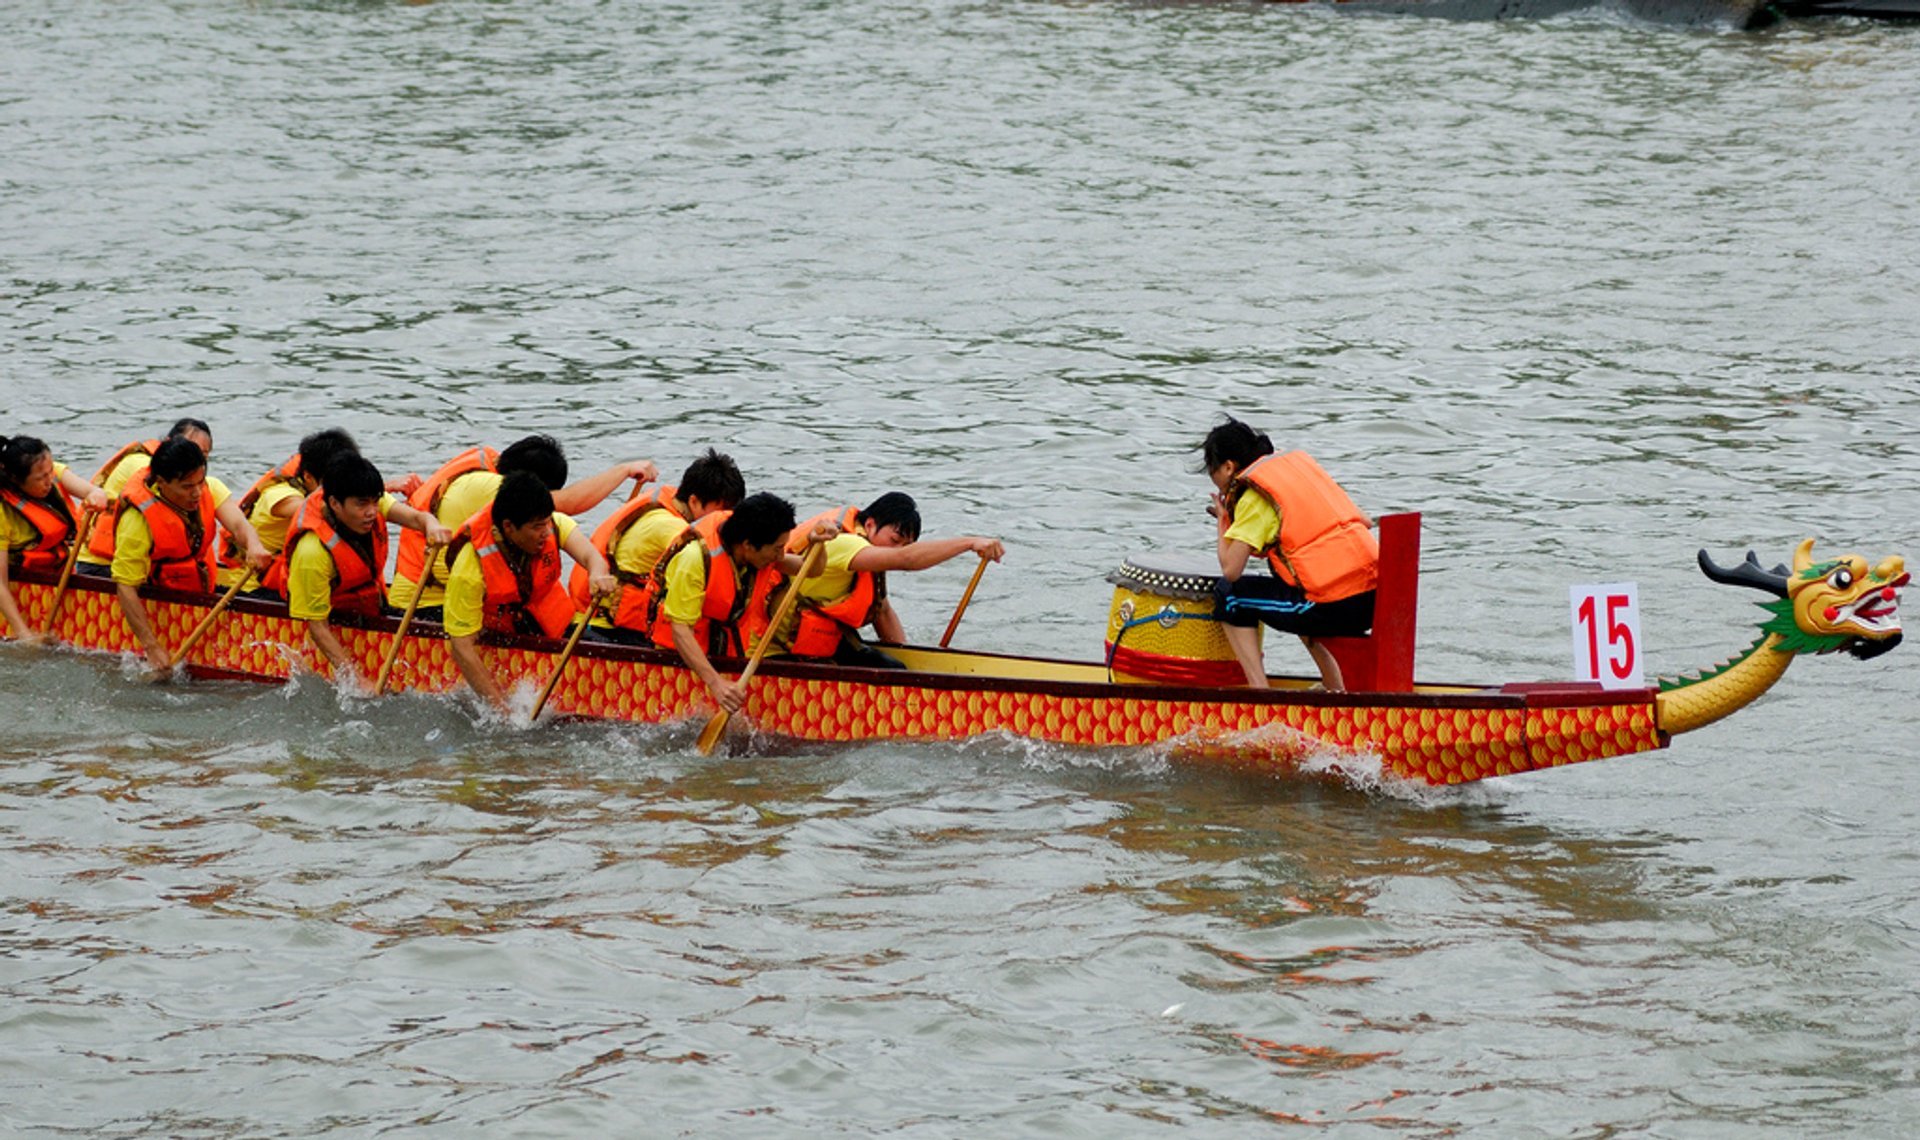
{"x": 1161, "y": 627}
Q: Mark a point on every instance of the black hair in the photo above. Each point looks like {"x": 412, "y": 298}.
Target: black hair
{"x": 187, "y": 424}
{"x": 319, "y": 450}
{"x": 537, "y": 455}
{"x": 1233, "y": 442}
{"x": 713, "y": 478}
{"x": 521, "y": 499}
{"x": 177, "y": 458}
{"x": 17, "y": 457}
{"x": 895, "y": 509}
{"x": 350, "y": 476}
{"x": 760, "y": 520}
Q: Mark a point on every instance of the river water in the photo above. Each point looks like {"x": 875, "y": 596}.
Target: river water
{"x": 1589, "y": 293}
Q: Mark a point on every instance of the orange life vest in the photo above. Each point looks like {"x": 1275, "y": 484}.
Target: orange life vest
{"x": 357, "y": 584}
{"x": 100, "y": 542}
{"x": 52, "y": 521}
{"x": 529, "y": 600}
{"x": 1324, "y": 546}
{"x": 823, "y": 625}
{"x": 288, "y": 473}
{"x": 412, "y": 561}
{"x": 181, "y": 560}
{"x": 636, "y": 590}
{"x": 729, "y": 621}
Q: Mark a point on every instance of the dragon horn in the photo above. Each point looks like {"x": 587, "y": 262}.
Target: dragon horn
{"x": 1748, "y": 573}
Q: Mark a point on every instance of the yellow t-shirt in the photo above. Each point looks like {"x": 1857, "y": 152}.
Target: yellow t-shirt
{"x": 133, "y": 542}
{"x": 639, "y": 550}
{"x": 14, "y": 528}
{"x": 1256, "y": 521}
{"x": 463, "y": 499}
{"x": 272, "y": 530}
{"x": 687, "y": 585}
{"x": 834, "y": 582}
{"x": 115, "y": 482}
{"x": 311, "y": 574}
{"x": 466, "y": 593}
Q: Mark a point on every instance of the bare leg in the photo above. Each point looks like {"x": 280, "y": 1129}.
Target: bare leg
{"x": 1329, "y": 667}
{"x": 1245, "y": 641}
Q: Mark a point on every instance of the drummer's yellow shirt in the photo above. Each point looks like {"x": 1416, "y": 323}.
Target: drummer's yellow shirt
{"x": 640, "y": 548}
{"x": 133, "y": 542}
{"x": 115, "y": 482}
{"x": 311, "y": 574}
{"x": 463, "y": 499}
{"x": 466, "y": 593}
{"x": 1256, "y": 521}
{"x": 14, "y": 528}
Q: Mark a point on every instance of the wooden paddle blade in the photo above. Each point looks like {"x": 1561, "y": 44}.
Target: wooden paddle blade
{"x": 710, "y": 735}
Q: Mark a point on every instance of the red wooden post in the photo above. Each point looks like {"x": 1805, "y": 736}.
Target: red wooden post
{"x": 1382, "y": 661}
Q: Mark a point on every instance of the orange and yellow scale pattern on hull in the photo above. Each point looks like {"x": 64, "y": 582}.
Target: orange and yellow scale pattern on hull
{"x": 1435, "y": 745}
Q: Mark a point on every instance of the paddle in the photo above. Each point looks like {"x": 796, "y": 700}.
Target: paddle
{"x": 66, "y": 572}
{"x": 710, "y": 735}
{"x": 579, "y": 627}
{"x": 964, "y": 599}
{"x": 406, "y": 619}
{"x": 206, "y": 623}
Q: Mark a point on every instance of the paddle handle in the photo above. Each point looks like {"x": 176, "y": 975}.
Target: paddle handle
{"x": 710, "y": 735}
{"x": 546, "y": 690}
{"x": 66, "y": 571}
{"x": 964, "y": 599}
{"x": 206, "y": 623}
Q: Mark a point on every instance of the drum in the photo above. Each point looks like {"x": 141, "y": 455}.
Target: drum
{"x": 1162, "y": 628}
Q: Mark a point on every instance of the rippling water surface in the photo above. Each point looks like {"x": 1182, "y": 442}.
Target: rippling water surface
{"x": 1589, "y": 293}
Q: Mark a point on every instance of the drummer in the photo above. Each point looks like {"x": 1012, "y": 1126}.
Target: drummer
{"x": 850, "y": 590}
{"x": 1320, "y": 546}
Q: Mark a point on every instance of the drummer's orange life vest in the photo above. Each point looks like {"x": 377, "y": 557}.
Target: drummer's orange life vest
{"x": 635, "y": 603}
{"x": 100, "y": 542}
{"x": 288, "y": 473}
{"x": 823, "y": 625}
{"x": 1324, "y": 546}
{"x": 182, "y": 554}
{"x": 357, "y": 584}
{"x": 412, "y": 561}
{"x": 516, "y": 599}
{"x": 52, "y": 521}
{"x": 729, "y": 621}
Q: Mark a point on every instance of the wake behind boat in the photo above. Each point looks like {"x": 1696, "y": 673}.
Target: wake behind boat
{"x": 1431, "y": 733}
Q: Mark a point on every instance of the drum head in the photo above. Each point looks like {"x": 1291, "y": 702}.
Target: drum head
{"x": 1169, "y": 575}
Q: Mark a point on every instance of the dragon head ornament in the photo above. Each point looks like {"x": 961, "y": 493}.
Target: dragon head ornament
{"x": 1821, "y": 607}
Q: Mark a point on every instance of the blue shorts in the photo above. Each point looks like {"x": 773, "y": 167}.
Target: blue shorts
{"x": 1258, "y": 599}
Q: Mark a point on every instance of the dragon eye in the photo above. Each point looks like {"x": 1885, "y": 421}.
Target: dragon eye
{"x": 1840, "y": 579}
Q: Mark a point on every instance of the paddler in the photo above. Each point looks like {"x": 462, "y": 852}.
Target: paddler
{"x": 121, "y": 468}
{"x": 468, "y": 482}
{"x": 713, "y": 583}
{"x": 850, "y": 590}
{"x": 633, "y": 538}
{"x": 336, "y": 553}
{"x": 1320, "y": 546}
{"x": 38, "y": 519}
{"x": 505, "y": 575}
{"x": 163, "y": 535}
{"x": 276, "y": 496}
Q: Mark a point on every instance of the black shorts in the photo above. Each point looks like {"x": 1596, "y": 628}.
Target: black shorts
{"x": 1259, "y": 599}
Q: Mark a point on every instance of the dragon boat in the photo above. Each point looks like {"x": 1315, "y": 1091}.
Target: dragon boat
{"x": 1168, "y": 679}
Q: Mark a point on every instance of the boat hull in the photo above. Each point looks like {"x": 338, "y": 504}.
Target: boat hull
{"x": 1434, "y": 735}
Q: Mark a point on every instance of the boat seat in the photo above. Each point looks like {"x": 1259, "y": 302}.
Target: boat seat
{"x": 1382, "y": 661}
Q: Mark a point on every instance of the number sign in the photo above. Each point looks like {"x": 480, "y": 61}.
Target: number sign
{"x": 1606, "y": 635}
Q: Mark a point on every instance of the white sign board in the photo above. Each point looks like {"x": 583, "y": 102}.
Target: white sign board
{"x": 1606, "y": 635}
